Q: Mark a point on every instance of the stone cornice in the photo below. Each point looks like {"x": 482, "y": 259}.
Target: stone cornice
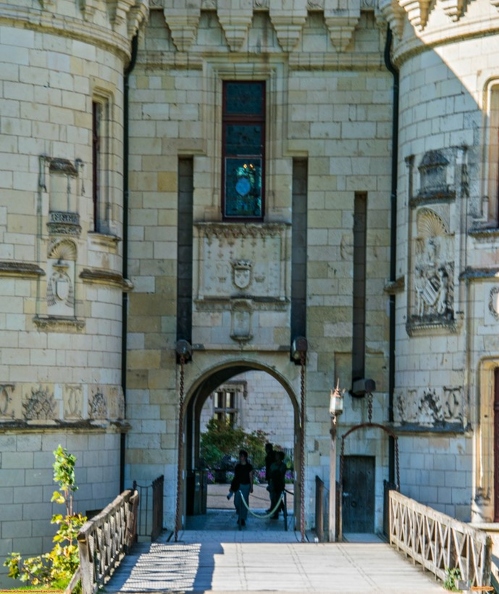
{"x": 106, "y": 277}
{"x": 50, "y": 21}
{"x": 453, "y": 23}
{"x": 479, "y": 274}
{"x": 20, "y": 269}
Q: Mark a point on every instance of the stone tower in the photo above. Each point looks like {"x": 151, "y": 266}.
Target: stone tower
{"x": 61, "y": 257}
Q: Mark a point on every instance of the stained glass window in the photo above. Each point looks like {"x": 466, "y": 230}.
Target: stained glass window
{"x": 243, "y": 149}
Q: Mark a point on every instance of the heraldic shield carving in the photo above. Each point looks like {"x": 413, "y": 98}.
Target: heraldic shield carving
{"x": 241, "y": 273}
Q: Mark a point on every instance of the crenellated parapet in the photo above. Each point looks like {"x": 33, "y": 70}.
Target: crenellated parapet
{"x": 104, "y": 23}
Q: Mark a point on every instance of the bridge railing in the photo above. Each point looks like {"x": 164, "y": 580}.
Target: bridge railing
{"x": 438, "y": 542}
{"x": 105, "y": 539}
{"x": 150, "y": 514}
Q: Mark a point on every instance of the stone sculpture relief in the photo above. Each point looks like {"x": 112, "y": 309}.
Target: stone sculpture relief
{"x": 73, "y": 401}
{"x": 494, "y": 302}
{"x": 39, "y": 405}
{"x": 433, "y": 280}
{"x": 97, "y": 406}
{"x": 430, "y": 407}
{"x": 6, "y": 410}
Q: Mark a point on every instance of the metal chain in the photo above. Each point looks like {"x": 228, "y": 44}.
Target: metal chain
{"x": 370, "y": 407}
{"x": 397, "y": 465}
{"x": 180, "y": 449}
{"x": 342, "y": 462}
{"x": 302, "y": 448}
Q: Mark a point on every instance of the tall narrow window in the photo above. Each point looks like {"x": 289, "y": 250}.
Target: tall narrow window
{"x": 184, "y": 247}
{"x": 359, "y": 286}
{"x": 299, "y": 249}
{"x": 243, "y": 149}
{"x": 97, "y": 162}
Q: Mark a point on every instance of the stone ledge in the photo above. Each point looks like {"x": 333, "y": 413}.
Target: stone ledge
{"x": 106, "y": 277}
{"x": 20, "y": 269}
{"x": 484, "y": 233}
{"x": 76, "y": 426}
{"x": 59, "y": 324}
{"x": 108, "y": 240}
{"x": 442, "y": 429}
{"x": 479, "y": 273}
{"x": 396, "y": 286}
{"x": 430, "y": 325}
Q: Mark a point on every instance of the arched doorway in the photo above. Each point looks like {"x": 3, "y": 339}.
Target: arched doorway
{"x": 205, "y": 386}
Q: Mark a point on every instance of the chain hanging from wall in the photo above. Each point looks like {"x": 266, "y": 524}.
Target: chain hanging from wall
{"x": 184, "y": 351}
{"x": 302, "y": 444}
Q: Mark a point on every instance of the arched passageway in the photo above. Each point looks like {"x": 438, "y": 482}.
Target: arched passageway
{"x": 205, "y": 386}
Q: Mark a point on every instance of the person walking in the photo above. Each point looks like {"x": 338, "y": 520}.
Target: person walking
{"x": 269, "y": 460}
{"x": 243, "y": 478}
{"x": 277, "y": 482}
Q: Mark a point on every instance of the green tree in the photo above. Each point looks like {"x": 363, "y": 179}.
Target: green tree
{"x": 222, "y": 439}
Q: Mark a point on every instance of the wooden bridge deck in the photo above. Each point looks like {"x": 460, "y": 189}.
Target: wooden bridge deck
{"x": 264, "y": 558}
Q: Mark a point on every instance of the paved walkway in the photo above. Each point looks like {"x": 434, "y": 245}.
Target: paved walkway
{"x": 264, "y": 558}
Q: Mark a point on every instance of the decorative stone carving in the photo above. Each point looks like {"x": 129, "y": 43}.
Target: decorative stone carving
{"x": 453, "y": 8}
{"x": 183, "y": 21}
{"x": 417, "y": 12}
{"x": 63, "y": 208}
{"x": 494, "y": 302}
{"x": 39, "y": 405}
{"x": 288, "y": 21}
{"x": 437, "y": 179}
{"x": 6, "y": 409}
{"x": 97, "y": 406}
{"x": 73, "y": 401}
{"x": 433, "y": 294}
{"x": 235, "y": 17}
{"x": 341, "y": 18}
{"x": 430, "y": 407}
{"x": 61, "y": 279}
{"x": 239, "y": 259}
{"x": 241, "y": 274}
{"x": 241, "y": 320}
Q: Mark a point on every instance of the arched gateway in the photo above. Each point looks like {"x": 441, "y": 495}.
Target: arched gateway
{"x": 198, "y": 387}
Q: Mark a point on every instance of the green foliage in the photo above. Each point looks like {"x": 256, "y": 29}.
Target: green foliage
{"x": 222, "y": 439}
{"x": 452, "y": 575}
{"x": 56, "y": 568}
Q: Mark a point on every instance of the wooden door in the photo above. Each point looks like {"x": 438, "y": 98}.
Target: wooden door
{"x": 358, "y": 494}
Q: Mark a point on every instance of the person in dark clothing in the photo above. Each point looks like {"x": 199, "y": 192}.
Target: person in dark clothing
{"x": 269, "y": 460}
{"x": 277, "y": 482}
{"x": 242, "y": 485}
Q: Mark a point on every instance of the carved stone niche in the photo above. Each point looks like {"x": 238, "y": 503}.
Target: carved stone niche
{"x": 63, "y": 189}
{"x": 432, "y": 284}
{"x": 442, "y": 176}
{"x": 61, "y": 279}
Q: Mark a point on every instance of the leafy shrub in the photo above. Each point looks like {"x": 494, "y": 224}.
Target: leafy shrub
{"x": 56, "y": 568}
